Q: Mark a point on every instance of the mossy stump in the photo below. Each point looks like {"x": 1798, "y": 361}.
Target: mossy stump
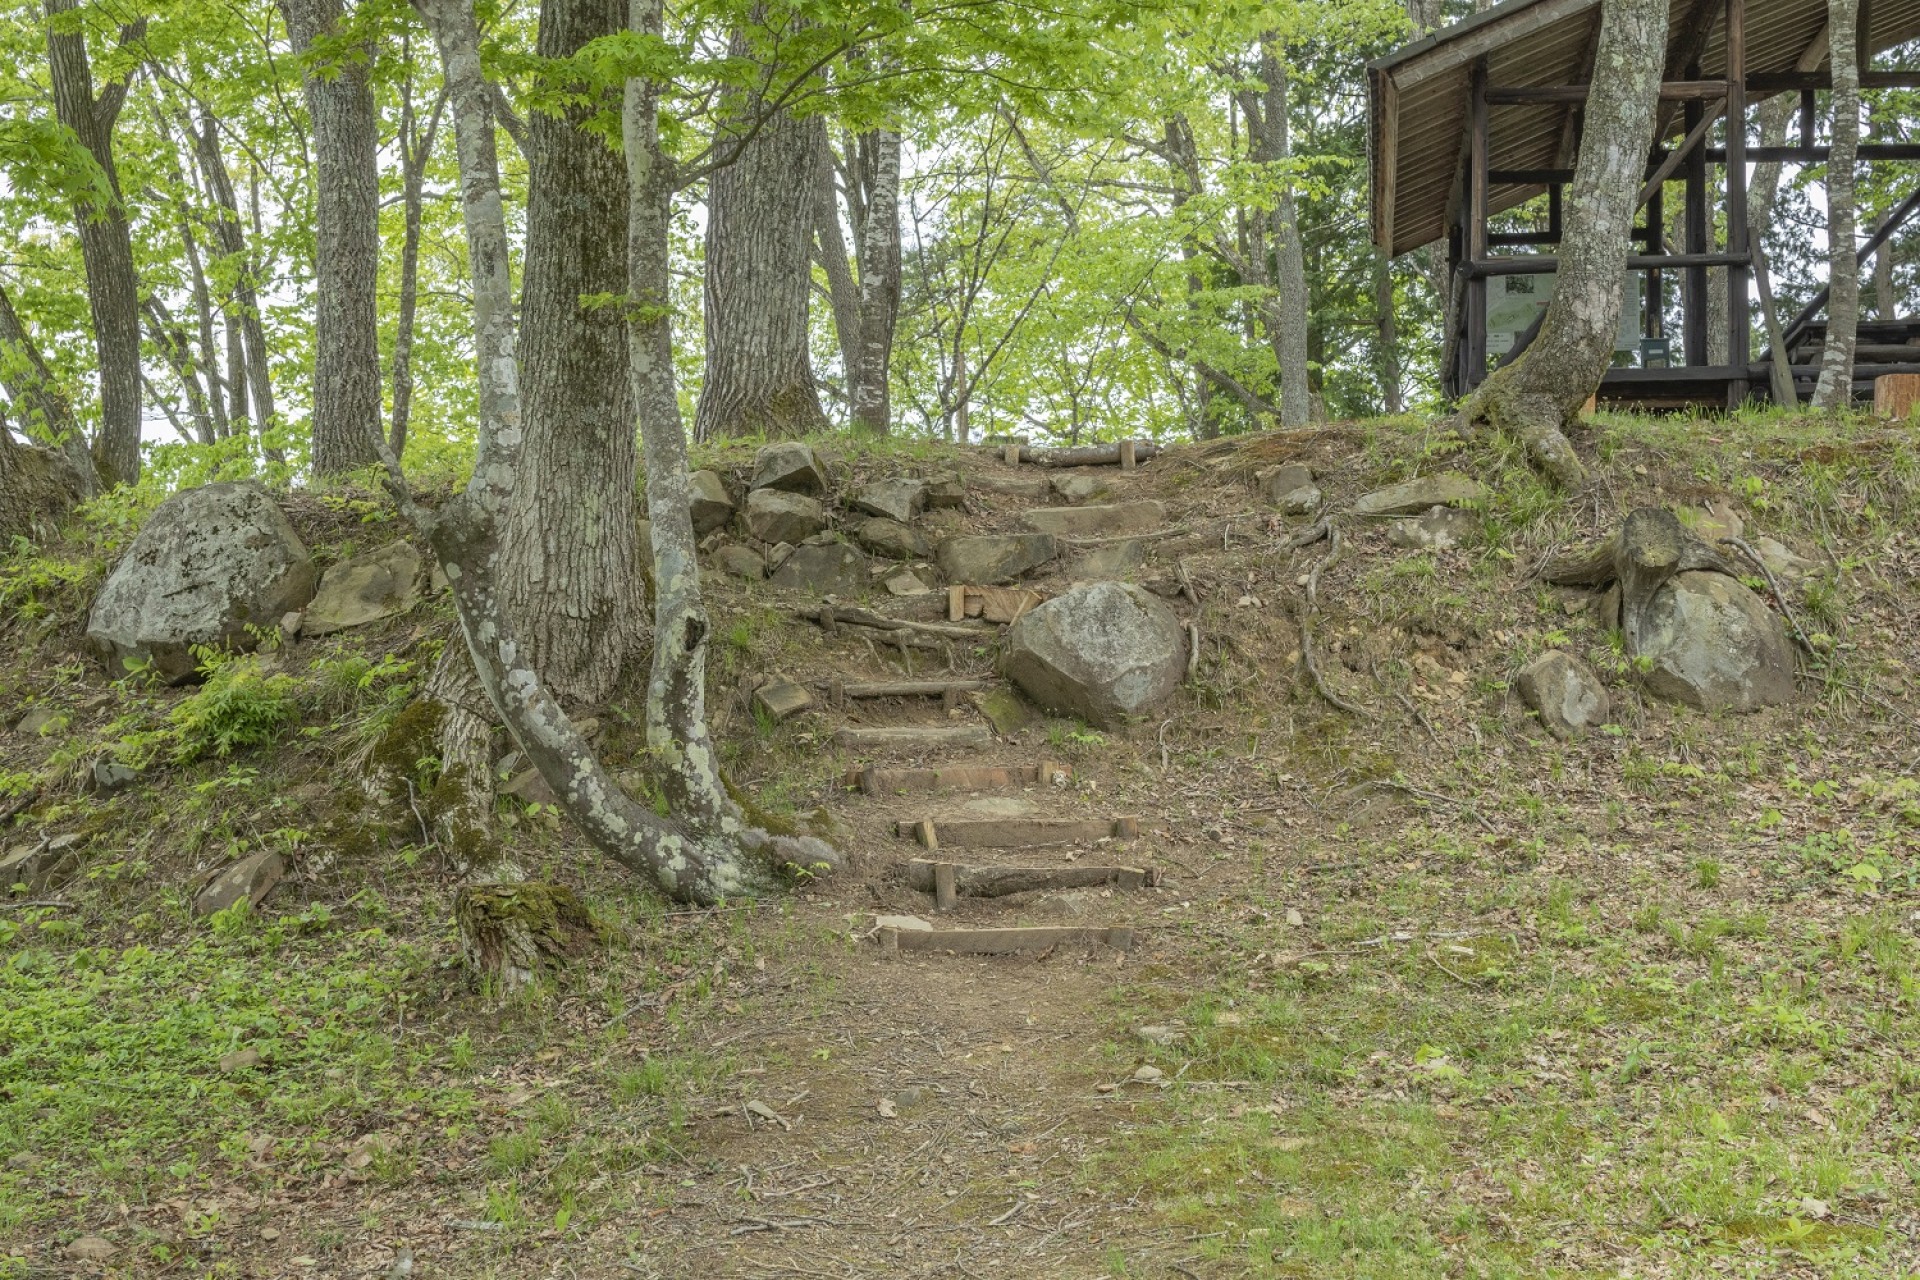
{"x": 511, "y": 932}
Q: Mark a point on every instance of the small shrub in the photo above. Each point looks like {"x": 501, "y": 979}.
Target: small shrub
{"x": 239, "y": 706}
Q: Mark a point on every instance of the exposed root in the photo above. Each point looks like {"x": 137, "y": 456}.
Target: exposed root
{"x": 1308, "y": 609}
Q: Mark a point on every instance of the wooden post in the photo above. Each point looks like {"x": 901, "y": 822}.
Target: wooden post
{"x": 956, "y": 603}
{"x": 1126, "y": 828}
{"x": 1010, "y": 454}
{"x": 890, "y": 942}
{"x": 1895, "y": 395}
{"x": 1126, "y": 455}
{"x": 925, "y": 833}
{"x": 1693, "y": 285}
{"x": 1739, "y": 320}
{"x": 1653, "y": 318}
{"x": 1477, "y": 226}
{"x": 945, "y": 896}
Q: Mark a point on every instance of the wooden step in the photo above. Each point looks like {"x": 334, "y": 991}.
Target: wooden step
{"x": 948, "y": 691}
{"x": 966, "y": 777}
{"x": 1000, "y": 942}
{"x": 1015, "y": 833}
{"x": 947, "y": 881}
{"x": 1126, "y": 454}
{"x": 914, "y": 737}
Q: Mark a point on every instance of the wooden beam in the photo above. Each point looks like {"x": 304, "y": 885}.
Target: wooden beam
{"x": 1498, "y": 30}
{"x": 875, "y": 781}
{"x": 987, "y": 881}
{"x": 914, "y": 737}
{"x": 1387, "y": 160}
{"x": 1671, "y": 91}
{"x": 1540, "y": 264}
{"x": 1014, "y": 833}
{"x": 1739, "y": 321}
{"x": 1695, "y": 136}
{"x": 1868, "y": 151}
{"x": 1000, "y": 942}
{"x": 1771, "y": 82}
{"x": 1888, "y": 225}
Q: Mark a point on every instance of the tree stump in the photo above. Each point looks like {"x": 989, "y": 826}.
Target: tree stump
{"x": 510, "y": 932}
{"x": 1895, "y": 395}
{"x": 1650, "y": 547}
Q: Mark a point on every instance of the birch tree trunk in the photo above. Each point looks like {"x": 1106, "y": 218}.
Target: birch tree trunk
{"x": 1289, "y": 319}
{"x": 1835, "y": 388}
{"x": 687, "y": 862}
{"x": 106, "y": 245}
{"x": 1536, "y": 395}
{"x": 346, "y": 347}
{"x": 570, "y": 577}
{"x": 759, "y": 374}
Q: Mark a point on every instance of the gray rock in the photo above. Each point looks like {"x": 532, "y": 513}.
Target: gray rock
{"x": 946, "y": 491}
{"x": 210, "y": 563}
{"x": 36, "y": 719}
{"x": 906, "y": 583}
{"x": 1103, "y": 652}
{"x": 1447, "y": 489}
{"x": 1568, "y": 697}
{"x": 832, "y": 568}
{"x": 528, "y": 787}
{"x": 983, "y": 559}
{"x": 897, "y": 499}
{"x": 890, "y": 538}
{"x": 774, "y": 515}
{"x": 252, "y": 879}
{"x": 109, "y": 776}
{"x": 1117, "y": 560}
{"x": 1109, "y": 520}
{"x": 1079, "y": 488}
{"x": 708, "y": 502}
{"x": 1714, "y": 645}
{"x": 741, "y": 562}
{"x": 789, "y": 465}
{"x": 1291, "y": 489}
{"x": 380, "y": 584}
{"x": 1785, "y": 563}
{"x": 41, "y": 866}
{"x": 91, "y": 1249}
{"x": 1441, "y": 529}
{"x": 781, "y": 699}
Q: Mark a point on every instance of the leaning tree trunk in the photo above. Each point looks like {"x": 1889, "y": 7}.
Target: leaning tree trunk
{"x": 346, "y": 359}
{"x": 1290, "y": 275}
{"x": 248, "y": 352}
{"x": 415, "y": 151}
{"x": 759, "y": 371}
{"x": 688, "y": 863}
{"x": 43, "y": 412}
{"x": 830, "y": 250}
{"x": 1536, "y": 395}
{"x": 37, "y": 487}
{"x": 1835, "y": 388}
{"x": 570, "y": 577}
{"x": 106, "y": 245}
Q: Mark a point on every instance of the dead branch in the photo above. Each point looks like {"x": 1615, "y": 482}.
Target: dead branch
{"x": 1799, "y": 634}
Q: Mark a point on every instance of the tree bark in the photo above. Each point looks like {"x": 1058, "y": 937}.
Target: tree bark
{"x": 1537, "y": 394}
{"x": 346, "y": 347}
{"x": 248, "y": 354}
{"x": 37, "y": 486}
{"x": 759, "y": 372}
{"x": 106, "y": 246}
{"x": 1835, "y": 388}
{"x": 830, "y": 246}
{"x": 868, "y": 379}
{"x": 415, "y": 151}
{"x": 569, "y": 576}
{"x": 1290, "y": 266}
{"x": 687, "y": 863}
{"x": 43, "y": 412}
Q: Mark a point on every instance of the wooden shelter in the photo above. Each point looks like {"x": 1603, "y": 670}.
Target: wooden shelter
{"x": 1483, "y": 116}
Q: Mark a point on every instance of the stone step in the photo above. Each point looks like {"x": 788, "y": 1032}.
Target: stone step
{"x": 1099, "y": 520}
{"x": 1014, "y": 833}
{"x": 1000, "y": 942}
{"x": 966, "y": 777}
{"x": 914, "y": 737}
{"x": 948, "y": 881}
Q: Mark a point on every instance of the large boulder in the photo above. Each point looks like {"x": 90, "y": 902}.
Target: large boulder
{"x": 789, "y": 465}
{"x": 708, "y": 502}
{"x": 1567, "y": 696}
{"x": 1103, "y": 652}
{"x": 1714, "y": 645}
{"x": 900, "y": 498}
{"x": 825, "y": 568}
{"x": 363, "y": 589}
{"x": 987, "y": 558}
{"x": 774, "y": 515}
{"x": 891, "y": 539}
{"x": 210, "y": 564}
{"x": 1290, "y": 488}
{"x": 1446, "y": 489}
{"x": 1441, "y": 529}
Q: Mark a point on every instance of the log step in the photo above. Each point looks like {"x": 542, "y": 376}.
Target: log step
{"x": 874, "y": 781}
{"x": 948, "y": 691}
{"x": 1000, "y": 942}
{"x": 1127, "y": 454}
{"x": 949, "y": 880}
{"x": 1015, "y": 833}
{"x": 915, "y": 737}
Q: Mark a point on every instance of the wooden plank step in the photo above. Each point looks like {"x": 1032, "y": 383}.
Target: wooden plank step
{"x": 979, "y": 881}
{"x": 1012, "y": 833}
{"x": 909, "y": 737}
{"x": 966, "y": 777}
{"x": 1000, "y": 942}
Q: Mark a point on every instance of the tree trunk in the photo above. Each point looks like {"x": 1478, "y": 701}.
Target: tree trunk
{"x": 688, "y": 864}
{"x": 1835, "y": 388}
{"x": 1537, "y": 394}
{"x": 415, "y": 151}
{"x": 569, "y": 576}
{"x": 37, "y": 487}
{"x": 243, "y": 308}
{"x": 1387, "y": 358}
{"x": 106, "y": 246}
{"x": 1290, "y": 264}
{"x": 868, "y": 380}
{"x": 759, "y": 372}
{"x": 346, "y": 347}
{"x": 843, "y": 295}
{"x": 44, "y": 414}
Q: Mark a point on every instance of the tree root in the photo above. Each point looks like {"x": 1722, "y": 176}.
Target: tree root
{"x": 1308, "y": 609}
